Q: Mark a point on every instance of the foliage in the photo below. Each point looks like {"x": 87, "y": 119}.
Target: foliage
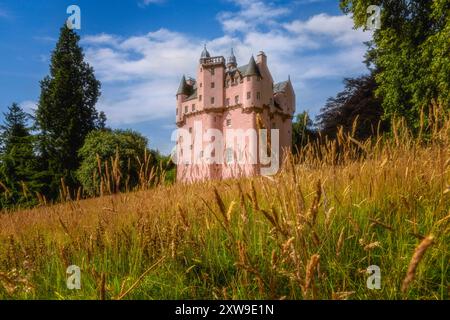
{"x": 103, "y": 148}
{"x": 18, "y": 164}
{"x": 66, "y": 112}
{"x": 411, "y": 52}
{"x": 354, "y": 109}
{"x": 302, "y": 131}
{"x": 309, "y": 232}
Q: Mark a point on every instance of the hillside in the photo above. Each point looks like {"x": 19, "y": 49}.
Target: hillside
{"x": 310, "y": 232}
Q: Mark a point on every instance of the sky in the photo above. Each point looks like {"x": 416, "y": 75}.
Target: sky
{"x": 141, "y": 48}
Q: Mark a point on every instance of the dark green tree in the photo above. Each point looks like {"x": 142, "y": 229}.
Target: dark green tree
{"x": 302, "y": 131}
{"x": 66, "y": 112}
{"x": 411, "y": 52}
{"x": 18, "y": 163}
{"x": 357, "y": 102}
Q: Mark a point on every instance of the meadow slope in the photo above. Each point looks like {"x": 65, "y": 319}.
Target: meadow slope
{"x": 309, "y": 232}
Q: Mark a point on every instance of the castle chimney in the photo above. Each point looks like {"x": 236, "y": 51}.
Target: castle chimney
{"x": 261, "y": 58}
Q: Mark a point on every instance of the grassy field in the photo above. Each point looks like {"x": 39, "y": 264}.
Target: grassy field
{"x": 309, "y": 232}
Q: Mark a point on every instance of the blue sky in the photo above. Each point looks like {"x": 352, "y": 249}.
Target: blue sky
{"x": 141, "y": 48}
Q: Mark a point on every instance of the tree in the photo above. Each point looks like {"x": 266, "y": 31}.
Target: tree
{"x": 302, "y": 131}
{"x": 18, "y": 166}
{"x": 356, "y": 102}
{"x": 411, "y": 52}
{"x": 66, "y": 111}
{"x": 105, "y": 151}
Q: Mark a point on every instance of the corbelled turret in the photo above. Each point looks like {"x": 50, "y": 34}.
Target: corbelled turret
{"x": 231, "y": 63}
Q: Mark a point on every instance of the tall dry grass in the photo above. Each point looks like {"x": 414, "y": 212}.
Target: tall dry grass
{"x": 309, "y": 232}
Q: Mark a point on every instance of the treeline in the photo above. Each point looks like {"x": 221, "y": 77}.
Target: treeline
{"x": 408, "y": 64}
{"x": 64, "y": 149}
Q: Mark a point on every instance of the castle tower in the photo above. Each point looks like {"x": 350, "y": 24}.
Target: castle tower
{"x": 227, "y": 96}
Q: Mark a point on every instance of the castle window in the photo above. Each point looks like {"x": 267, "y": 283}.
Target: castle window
{"x": 228, "y": 122}
{"x": 193, "y": 107}
{"x": 186, "y": 109}
{"x": 177, "y": 111}
{"x": 201, "y": 84}
{"x": 248, "y": 78}
{"x": 201, "y": 154}
{"x": 212, "y": 100}
{"x": 258, "y": 95}
{"x": 190, "y": 130}
{"x": 200, "y": 98}
{"x": 213, "y": 85}
{"x": 227, "y": 102}
{"x": 212, "y": 71}
{"x": 236, "y": 99}
{"x": 249, "y": 95}
{"x": 190, "y": 147}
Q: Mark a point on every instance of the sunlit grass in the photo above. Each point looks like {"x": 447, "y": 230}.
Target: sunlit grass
{"x": 308, "y": 233}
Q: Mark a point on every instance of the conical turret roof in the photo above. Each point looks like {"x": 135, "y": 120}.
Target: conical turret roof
{"x": 183, "y": 88}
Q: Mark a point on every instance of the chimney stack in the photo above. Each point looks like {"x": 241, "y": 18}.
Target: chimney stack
{"x": 261, "y": 58}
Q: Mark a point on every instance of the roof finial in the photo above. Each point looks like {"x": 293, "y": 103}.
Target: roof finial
{"x": 205, "y": 53}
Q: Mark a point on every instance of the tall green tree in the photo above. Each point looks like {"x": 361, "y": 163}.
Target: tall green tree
{"x": 18, "y": 163}
{"x": 411, "y": 52}
{"x": 66, "y": 112}
{"x": 302, "y": 131}
{"x": 357, "y": 102}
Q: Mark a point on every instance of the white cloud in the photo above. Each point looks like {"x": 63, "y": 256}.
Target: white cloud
{"x": 338, "y": 28}
{"x": 28, "y": 106}
{"x": 140, "y": 74}
{"x": 144, "y": 3}
{"x": 251, "y": 14}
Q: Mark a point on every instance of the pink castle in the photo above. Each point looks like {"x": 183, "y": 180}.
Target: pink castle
{"x": 226, "y": 96}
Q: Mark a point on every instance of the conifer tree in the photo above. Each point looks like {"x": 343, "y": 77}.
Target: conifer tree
{"x": 18, "y": 166}
{"x": 66, "y": 111}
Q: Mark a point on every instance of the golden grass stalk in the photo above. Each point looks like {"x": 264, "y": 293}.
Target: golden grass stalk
{"x": 415, "y": 260}
{"x": 310, "y": 269}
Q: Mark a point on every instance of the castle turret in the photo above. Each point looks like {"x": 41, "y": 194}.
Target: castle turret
{"x": 231, "y": 63}
{"x": 252, "y": 85}
{"x": 182, "y": 94}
